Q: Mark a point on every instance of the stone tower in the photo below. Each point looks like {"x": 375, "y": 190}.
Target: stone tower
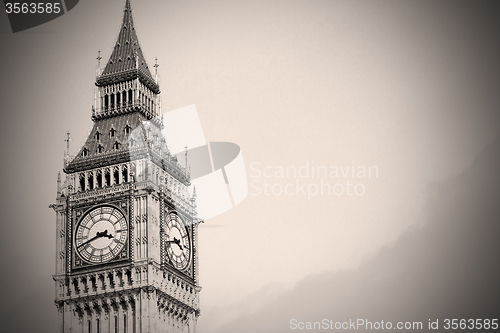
{"x": 126, "y": 252}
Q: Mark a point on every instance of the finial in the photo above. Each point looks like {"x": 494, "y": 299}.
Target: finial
{"x": 99, "y": 62}
{"x": 59, "y": 184}
{"x": 156, "y": 69}
{"x": 127, "y": 5}
{"x": 68, "y": 140}
{"x": 186, "y": 154}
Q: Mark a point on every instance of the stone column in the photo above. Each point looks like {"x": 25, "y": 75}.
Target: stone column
{"x": 72, "y": 287}
{"x": 115, "y": 279}
{"x": 115, "y": 313}
{"x": 107, "y": 281}
{"x": 111, "y": 175}
{"x": 130, "y": 314}
{"x": 60, "y": 317}
{"x": 87, "y": 319}
{"x": 124, "y": 278}
{"x": 120, "y": 176}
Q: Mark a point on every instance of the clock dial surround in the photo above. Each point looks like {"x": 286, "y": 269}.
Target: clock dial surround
{"x": 101, "y": 235}
{"x": 177, "y": 243}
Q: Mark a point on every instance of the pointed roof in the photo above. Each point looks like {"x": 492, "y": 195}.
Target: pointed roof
{"x": 137, "y": 143}
{"x": 127, "y": 61}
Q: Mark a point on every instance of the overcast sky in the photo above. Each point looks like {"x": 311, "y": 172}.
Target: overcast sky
{"x": 409, "y": 87}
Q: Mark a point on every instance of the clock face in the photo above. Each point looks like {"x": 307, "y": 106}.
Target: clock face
{"x": 101, "y": 235}
{"x": 177, "y": 244}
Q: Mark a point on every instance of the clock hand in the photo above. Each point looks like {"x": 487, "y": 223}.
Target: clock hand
{"x": 98, "y": 234}
{"x": 90, "y": 240}
{"x": 176, "y": 241}
{"x": 105, "y": 234}
{"x": 173, "y": 241}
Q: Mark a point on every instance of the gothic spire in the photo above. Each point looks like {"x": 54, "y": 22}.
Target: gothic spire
{"x": 127, "y": 61}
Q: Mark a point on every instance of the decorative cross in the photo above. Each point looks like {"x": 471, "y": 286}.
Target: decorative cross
{"x": 98, "y": 63}
{"x": 99, "y": 59}
{"x": 156, "y": 66}
{"x": 68, "y": 140}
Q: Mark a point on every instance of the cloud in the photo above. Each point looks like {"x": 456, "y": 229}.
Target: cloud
{"x": 447, "y": 268}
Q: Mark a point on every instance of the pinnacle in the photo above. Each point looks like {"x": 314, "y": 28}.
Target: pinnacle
{"x": 127, "y": 60}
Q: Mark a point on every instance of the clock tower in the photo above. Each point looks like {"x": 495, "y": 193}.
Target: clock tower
{"x": 126, "y": 220}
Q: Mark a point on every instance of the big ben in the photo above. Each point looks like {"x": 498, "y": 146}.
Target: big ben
{"x": 126, "y": 219}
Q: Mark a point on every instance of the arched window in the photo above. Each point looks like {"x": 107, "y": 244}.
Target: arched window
{"x": 112, "y": 133}
{"x": 127, "y": 129}
{"x": 99, "y": 178}
{"x": 116, "y": 145}
{"x": 91, "y": 181}
{"x": 85, "y": 152}
{"x": 106, "y": 102}
{"x": 82, "y": 182}
{"x": 107, "y": 178}
{"x": 100, "y": 149}
{"x": 124, "y": 174}
{"x": 116, "y": 176}
{"x": 130, "y": 97}
{"x": 98, "y": 135}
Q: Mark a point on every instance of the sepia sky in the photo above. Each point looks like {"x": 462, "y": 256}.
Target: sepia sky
{"x": 408, "y": 87}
